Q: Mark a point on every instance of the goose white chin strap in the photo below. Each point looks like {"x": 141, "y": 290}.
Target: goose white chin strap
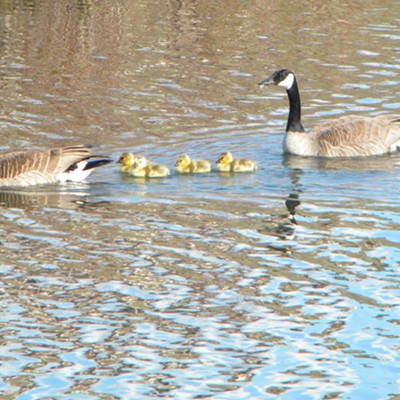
{"x": 287, "y": 82}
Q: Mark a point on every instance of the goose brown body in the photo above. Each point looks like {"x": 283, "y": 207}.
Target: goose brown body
{"x": 35, "y": 167}
{"x": 349, "y": 136}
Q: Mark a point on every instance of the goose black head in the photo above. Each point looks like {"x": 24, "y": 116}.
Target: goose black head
{"x": 282, "y": 77}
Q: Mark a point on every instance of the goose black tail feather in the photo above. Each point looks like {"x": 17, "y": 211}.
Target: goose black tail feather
{"x": 90, "y": 163}
{"x": 97, "y": 163}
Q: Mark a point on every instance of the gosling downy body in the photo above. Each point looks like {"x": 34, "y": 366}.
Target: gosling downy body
{"x": 141, "y": 168}
{"x": 37, "y": 167}
{"x": 226, "y": 163}
{"x": 185, "y": 165}
{"x": 349, "y": 136}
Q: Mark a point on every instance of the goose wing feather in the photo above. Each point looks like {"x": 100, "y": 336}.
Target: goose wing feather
{"x": 36, "y": 166}
{"x": 358, "y": 136}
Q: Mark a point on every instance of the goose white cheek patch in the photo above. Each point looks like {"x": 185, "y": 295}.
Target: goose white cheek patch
{"x": 287, "y": 82}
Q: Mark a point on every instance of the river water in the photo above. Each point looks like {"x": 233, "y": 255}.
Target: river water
{"x": 198, "y": 286}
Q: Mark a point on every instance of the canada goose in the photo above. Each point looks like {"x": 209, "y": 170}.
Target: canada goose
{"x": 127, "y": 160}
{"x": 141, "y": 168}
{"x": 184, "y": 164}
{"x": 36, "y": 167}
{"x": 344, "y": 137}
{"x": 226, "y": 163}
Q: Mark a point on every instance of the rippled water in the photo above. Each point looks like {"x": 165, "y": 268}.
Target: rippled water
{"x": 198, "y": 286}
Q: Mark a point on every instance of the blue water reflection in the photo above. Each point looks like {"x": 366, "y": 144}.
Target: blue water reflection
{"x": 198, "y": 286}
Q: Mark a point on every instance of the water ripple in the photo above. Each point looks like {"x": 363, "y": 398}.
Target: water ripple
{"x": 198, "y": 286}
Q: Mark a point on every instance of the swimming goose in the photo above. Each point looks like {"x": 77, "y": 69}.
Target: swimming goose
{"x": 36, "y": 167}
{"x": 141, "y": 168}
{"x": 184, "y": 164}
{"x": 343, "y": 137}
{"x": 226, "y": 163}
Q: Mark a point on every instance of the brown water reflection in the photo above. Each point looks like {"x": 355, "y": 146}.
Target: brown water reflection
{"x": 108, "y": 71}
{"x": 198, "y": 286}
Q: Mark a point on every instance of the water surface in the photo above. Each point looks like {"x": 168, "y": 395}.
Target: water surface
{"x": 198, "y": 286}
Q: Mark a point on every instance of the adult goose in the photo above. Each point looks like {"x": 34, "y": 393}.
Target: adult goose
{"x": 36, "y": 167}
{"x": 348, "y": 136}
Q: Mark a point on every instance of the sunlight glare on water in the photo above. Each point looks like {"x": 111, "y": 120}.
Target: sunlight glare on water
{"x": 198, "y": 286}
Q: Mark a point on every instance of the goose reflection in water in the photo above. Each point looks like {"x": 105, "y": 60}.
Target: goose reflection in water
{"x": 291, "y": 203}
{"x": 24, "y": 199}
{"x": 374, "y": 163}
{"x": 282, "y": 225}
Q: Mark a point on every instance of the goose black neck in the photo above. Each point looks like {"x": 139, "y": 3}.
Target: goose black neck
{"x": 294, "y": 120}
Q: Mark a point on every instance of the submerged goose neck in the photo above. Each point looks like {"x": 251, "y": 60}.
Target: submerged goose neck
{"x": 294, "y": 120}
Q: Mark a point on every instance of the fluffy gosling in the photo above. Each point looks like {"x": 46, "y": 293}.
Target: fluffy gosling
{"x": 185, "y": 165}
{"x": 126, "y": 160}
{"x": 142, "y": 168}
{"x": 226, "y": 163}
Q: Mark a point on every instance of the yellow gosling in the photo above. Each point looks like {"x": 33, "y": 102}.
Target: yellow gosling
{"x": 226, "y": 163}
{"x": 185, "y": 165}
{"x": 141, "y": 168}
{"x": 126, "y": 160}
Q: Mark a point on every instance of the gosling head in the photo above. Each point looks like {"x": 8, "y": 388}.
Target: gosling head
{"x": 127, "y": 159}
{"x": 183, "y": 161}
{"x": 225, "y": 158}
{"x": 282, "y": 77}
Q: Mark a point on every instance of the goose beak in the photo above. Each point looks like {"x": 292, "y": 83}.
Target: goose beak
{"x": 267, "y": 81}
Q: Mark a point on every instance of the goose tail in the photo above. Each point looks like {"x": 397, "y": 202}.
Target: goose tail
{"x": 96, "y": 163}
{"x": 80, "y": 170}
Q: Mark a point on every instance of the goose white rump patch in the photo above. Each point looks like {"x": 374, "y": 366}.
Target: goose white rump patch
{"x": 75, "y": 173}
